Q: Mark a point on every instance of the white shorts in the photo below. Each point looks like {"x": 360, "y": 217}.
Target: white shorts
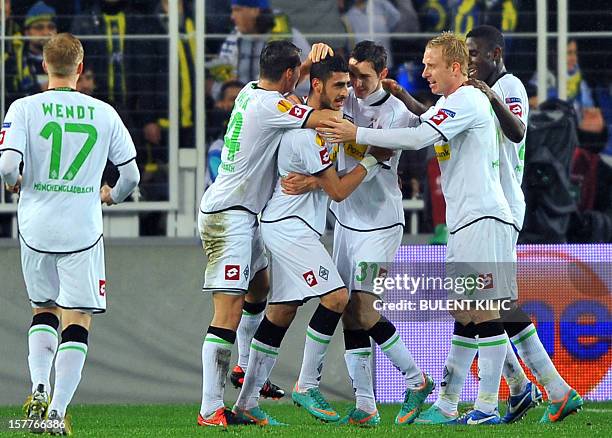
{"x": 484, "y": 251}
{"x": 362, "y": 256}
{"x": 234, "y": 248}
{"x": 75, "y": 281}
{"x": 301, "y": 267}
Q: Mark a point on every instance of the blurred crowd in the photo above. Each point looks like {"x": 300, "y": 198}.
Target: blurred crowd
{"x": 132, "y": 73}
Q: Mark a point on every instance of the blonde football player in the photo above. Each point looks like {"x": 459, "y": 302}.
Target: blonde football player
{"x": 63, "y": 138}
{"x": 462, "y": 128}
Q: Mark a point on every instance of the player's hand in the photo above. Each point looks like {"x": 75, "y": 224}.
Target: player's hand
{"x": 293, "y": 98}
{"x": 482, "y": 86}
{"x": 105, "y": 195}
{"x": 152, "y": 133}
{"x": 392, "y": 86}
{"x": 14, "y": 188}
{"x": 319, "y": 51}
{"x": 297, "y": 184}
{"x": 337, "y": 131}
{"x": 380, "y": 154}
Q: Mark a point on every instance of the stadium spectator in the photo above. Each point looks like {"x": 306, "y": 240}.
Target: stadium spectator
{"x": 39, "y": 24}
{"x": 319, "y": 18}
{"x": 255, "y": 24}
{"x": 86, "y": 83}
{"x": 111, "y": 58}
{"x": 217, "y": 21}
{"x": 386, "y": 19}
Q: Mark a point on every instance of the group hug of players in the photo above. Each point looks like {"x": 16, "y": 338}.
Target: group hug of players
{"x": 282, "y": 159}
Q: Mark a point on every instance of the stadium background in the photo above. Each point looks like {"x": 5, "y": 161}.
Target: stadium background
{"x": 147, "y": 348}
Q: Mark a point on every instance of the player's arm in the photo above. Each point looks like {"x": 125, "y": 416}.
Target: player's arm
{"x": 400, "y": 92}
{"x": 339, "y": 188}
{"x": 512, "y": 126}
{"x": 9, "y": 169}
{"x": 129, "y": 177}
{"x": 318, "y": 52}
{"x": 402, "y": 138}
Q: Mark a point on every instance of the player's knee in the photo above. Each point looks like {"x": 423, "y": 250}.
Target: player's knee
{"x": 336, "y": 301}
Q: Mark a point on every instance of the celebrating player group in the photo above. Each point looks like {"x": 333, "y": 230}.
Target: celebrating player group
{"x": 261, "y": 221}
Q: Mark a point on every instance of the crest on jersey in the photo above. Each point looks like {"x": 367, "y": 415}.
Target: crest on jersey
{"x": 310, "y": 278}
{"x": 442, "y": 115}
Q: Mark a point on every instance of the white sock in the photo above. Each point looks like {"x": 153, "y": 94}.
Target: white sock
{"x": 513, "y": 372}
{"x": 531, "y": 350}
{"x": 42, "y": 345}
{"x": 216, "y": 355}
{"x": 315, "y": 349}
{"x": 261, "y": 361}
{"x": 359, "y": 365}
{"x": 399, "y": 355}
{"x": 491, "y": 354}
{"x": 244, "y": 335}
{"x": 456, "y": 368}
{"x": 68, "y": 368}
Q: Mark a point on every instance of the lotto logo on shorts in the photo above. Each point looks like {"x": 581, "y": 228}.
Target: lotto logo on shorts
{"x": 310, "y": 278}
{"x": 442, "y": 115}
{"x": 486, "y": 280}
{"x": 102, "y": 288}
{"x": 516, "y": 109}
{"x": 324, "y": 153}
{"x": 232, "y": 272}
{"x": 382, "y": 273}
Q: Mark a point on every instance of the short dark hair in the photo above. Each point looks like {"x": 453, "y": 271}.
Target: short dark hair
{"x": 491, "y": 35}
{"x": 372, "y": 52}
{"x": 230, "y": 84}
{"x": 276, "y": 57}
{"x": 323, "y": 69}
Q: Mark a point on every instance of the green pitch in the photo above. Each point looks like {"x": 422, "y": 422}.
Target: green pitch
{"x": 110, "y": 421}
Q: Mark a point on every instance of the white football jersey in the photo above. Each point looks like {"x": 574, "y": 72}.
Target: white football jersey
{"x": 246, "y": 173}
{"x": 512, "y": 155}
{"x": 377, "y": 202}
{"x": 65, "y": 139}
{"x": 301, "y": 151}
{"x": 469, "y": 158}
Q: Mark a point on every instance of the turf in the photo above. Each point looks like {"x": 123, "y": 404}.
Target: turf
{"x": 179, "y": 421}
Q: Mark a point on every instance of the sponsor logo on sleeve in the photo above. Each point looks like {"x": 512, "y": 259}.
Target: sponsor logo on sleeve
{"x": 297, "y": 111}
{"x": 442, "y": 152}
{"x": 232, "y": 272}
{"x": 102, "y": 288}
{"x": 284, "y": 105}
{"x": 324, "y": 154}
{"x": 319, "y": 140}
{"x": 442, "y": 115}
{"x": 513, "y": 100}
{"x": 310, "y": 278}
{"x": 516, "y": 109}
{"x": 6, "y": 125}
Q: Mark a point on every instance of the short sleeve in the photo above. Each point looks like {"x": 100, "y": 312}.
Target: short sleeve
{"x": 13, "y": 135}
{"x": 515, "y": 98}
{"x": 122, "y": 149}
{"x": 277, "y": 112}
{"x": 313, "y": 152}
{"x": 454, "y": 116}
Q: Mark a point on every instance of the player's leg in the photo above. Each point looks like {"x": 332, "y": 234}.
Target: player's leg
{"x": 264, "y": 352}
{"x": 82, "y": 281}
{"x": 69, "y": 363}
{"x": 384, "y": 333}
{"x": 358, "y": 358}
{"x": 227, "y": 239}
{"x": 563, "y": 399}
{"x": 319, "y": 333}
{"x": 42, "y": 285}
{"x": 464, "y": 347}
